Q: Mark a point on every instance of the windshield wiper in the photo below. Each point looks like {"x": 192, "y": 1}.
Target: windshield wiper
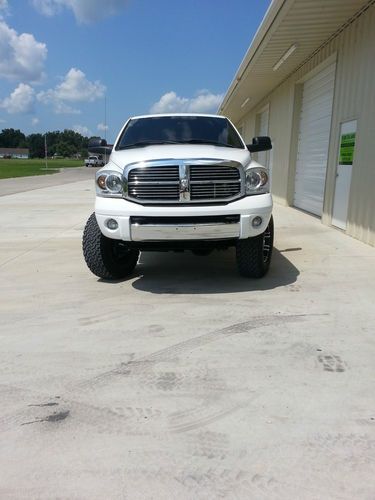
{"x": 214, "y": 143}
{"x": 145, "y": 143}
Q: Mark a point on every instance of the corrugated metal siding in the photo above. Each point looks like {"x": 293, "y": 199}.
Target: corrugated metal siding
{"x": 280, "y": 125}
{"x": 305, "y": 23}
{"x": 354, "y": 99}
{"x": 263, "y": 119}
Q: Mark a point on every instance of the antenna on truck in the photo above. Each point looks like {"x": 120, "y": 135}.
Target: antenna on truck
{"x": 105, "y": 127}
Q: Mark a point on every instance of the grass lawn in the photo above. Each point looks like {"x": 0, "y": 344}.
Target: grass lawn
{"x": 24, "y": 168}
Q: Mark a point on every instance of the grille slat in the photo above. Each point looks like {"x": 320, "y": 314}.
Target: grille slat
{"x": 156, "y": 174}
{"x": 214, "y": 189}
{"x": 216, "y": 174}
{"x": 151, "y": 193}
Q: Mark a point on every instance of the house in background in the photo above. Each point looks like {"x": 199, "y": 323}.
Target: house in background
{"x": 308, "y": 81}
{"x": 21, "y": 153}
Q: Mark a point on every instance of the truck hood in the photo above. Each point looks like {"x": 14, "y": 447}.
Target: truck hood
{"x": 121, "y": 159}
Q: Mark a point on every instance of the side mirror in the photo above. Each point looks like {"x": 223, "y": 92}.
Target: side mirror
{"x": 262, "y": 143}
{"x": 99, "y": 146}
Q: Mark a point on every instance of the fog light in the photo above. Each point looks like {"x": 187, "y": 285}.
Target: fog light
{"x": 257, "y": 221}
{"x": 112, "y": 224}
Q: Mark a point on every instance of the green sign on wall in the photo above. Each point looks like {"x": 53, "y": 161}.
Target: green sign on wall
{"x": 347, "y": 149}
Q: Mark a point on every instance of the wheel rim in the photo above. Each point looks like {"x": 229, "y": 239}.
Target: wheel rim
{"x": 266, "y": 246}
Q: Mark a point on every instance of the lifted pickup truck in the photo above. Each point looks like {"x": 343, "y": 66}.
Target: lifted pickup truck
{"x": 94, "y": 161}
{"x": 180, "y": 182}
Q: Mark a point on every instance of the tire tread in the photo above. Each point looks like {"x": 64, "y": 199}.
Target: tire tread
{"x": 95, "y": 248}
{"x": 249, "y": 256}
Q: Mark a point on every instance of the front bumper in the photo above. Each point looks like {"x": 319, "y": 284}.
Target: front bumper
{"x": 126, "y": 213}
{"x": 184, "y": 231}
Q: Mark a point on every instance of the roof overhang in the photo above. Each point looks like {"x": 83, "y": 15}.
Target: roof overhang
{"x": 290, "y": 33}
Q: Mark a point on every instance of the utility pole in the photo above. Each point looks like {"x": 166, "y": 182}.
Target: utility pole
{"x": 45, "y": 152}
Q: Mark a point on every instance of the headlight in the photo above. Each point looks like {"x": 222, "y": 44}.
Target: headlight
{"x": 114, "y": 183}
{"x": 109, "y": 184}
{"x": 256, "y": 181}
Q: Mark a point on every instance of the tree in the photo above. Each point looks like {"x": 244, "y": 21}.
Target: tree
{"x": 66, "y": 149}
{"x": 36, "y": 145}
{"x": 66, "y": 143}
{"x": 11, "y": 138}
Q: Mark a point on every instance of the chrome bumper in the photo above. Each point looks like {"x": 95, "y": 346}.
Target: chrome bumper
{"x": 167, "y": 232}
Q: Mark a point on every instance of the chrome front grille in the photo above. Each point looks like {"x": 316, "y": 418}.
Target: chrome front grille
{"x": 184, "y": 181}
{"x": 214, "y": 182}
{"x": 154, "y": 183}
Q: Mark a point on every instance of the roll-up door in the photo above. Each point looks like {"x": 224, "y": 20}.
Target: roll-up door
{"x": 313, "y": 141}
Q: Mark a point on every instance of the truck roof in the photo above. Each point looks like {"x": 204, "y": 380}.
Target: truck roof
{"x": 177, "y": 114}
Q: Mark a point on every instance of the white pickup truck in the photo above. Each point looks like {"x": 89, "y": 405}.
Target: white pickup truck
{"x": 179, "y": 182}
{"x": 94, "y": 161}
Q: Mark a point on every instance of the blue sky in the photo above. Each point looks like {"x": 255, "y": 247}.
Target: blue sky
{"x": 60, "y": 58}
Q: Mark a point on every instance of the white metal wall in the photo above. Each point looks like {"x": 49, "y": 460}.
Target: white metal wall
{"x": 313, "y": 141}
{"x": 263, "y": 130}
{"x": 354, "y": 99}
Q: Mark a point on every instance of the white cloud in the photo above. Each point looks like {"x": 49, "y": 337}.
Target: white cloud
{"x": 21, "y": 100}
{"x": 34, "y": 121}
{"x": 75, "y": 87}
{"x": 49, "y": 7}
{"x": 60, "y": 108}
{"x": 102, "y": 127}
{"x": 4, "y": 6}
{"x": 81, "y": 129}
{"x": 21, "y": 56}
{"x": 85, "y": 11}
{"x": 202, "y": 102}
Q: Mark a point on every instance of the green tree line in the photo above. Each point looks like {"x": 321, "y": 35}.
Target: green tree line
{"x": 66, "y": 143}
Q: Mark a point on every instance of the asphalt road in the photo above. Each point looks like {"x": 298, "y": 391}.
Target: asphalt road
{"x": 65, "y": 176}
{"x": 185, "y": 381}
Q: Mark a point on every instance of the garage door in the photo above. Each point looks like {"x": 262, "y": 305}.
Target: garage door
{"x": 313, "y": 141}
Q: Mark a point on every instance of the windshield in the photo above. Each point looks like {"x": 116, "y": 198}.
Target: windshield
{"x": 179, "y": 130}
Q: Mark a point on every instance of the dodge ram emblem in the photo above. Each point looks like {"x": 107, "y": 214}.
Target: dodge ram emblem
{"x": 184, "y": 186}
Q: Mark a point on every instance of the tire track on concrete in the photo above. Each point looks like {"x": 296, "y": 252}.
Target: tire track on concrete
{"x": 132, "y": 419}
{"x": 203, "y": 415}
{"x": 169, "y": 353}
{"x": 208, "y": 412}
{"x": 113, "y": 419}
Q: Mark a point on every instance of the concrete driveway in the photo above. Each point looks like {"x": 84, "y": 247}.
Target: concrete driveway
{"x": 185, "y": 381}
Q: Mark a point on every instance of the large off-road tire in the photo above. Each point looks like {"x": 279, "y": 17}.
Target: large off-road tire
{"x": 107, "y": 258}
{"x": 254, "y": 255}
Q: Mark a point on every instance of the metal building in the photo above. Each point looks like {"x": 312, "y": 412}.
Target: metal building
{"x": 19, "y": 153}
{"x": 308, "y": 81}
